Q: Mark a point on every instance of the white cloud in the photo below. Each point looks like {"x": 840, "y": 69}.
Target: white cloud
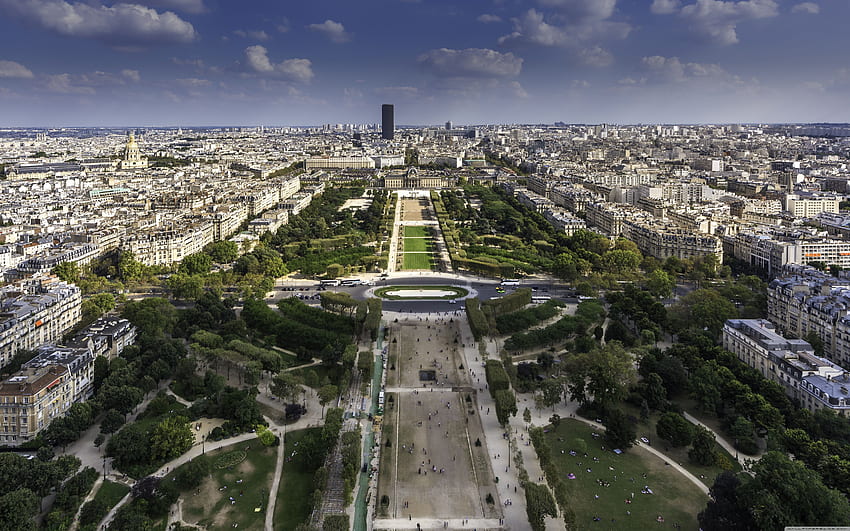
{"x": 596, "y": 56}
{"x": 532, "y": 28}
{"x": 283, "y": 26}
{"x": 580, "y": 84}
{"x": 132, "y": 75}
{"x": 584, "y": 25}
{"x": 718, "y": 20}
{"x": 487, "y": 18}
{"x": 187, "y": 6}
{"x": 257, "y": 61}
{"x": 399, "y": 92}
{"x": 62, "y": 83}
{"x": 13, "y": 69}
{"x": 126, "y": 25}
{"x": 808, "y": 8}
{"x": 583, "y": 10}
{"x": 470, "y": 62}
{"x": 518, "y": 90}
{"x": 664, "y": 7}
{"x": 673, "y": 69}
{"x": 332, "y": 30}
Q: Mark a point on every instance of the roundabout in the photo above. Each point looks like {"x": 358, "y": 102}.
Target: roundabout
{"x": 422, "y": 292}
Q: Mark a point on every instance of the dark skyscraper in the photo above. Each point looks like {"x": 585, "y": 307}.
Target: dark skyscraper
{"x": 387, "y": 121}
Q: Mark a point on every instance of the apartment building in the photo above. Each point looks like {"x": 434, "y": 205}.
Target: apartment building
{"x": 812, "y": 381}
{"x": 34, "y": 312}
{"x": 663, "y": 240}
{"x": 31, "y": 399}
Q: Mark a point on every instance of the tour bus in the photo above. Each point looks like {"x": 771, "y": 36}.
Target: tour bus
{"x": 510, "y": 282}
{"x": 539, "y": 299}
{"x": 350, "y": 282}
{"x": 333, "y": 282}
{"x": 381, "y": 398}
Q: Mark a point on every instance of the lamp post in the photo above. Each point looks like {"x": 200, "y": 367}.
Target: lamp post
{"x": 104, "y": 468}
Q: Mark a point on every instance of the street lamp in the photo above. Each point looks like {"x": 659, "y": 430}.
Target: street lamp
{"x": 104, "y": 468}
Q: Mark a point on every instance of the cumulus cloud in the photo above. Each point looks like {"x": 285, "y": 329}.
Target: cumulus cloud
{"x": 187, "y": 6}
{"x": 584, "y": 22}
{"x": 132, "y": 75}
{"x": 808, "y": 8}
{"x": 518, "y": 90}
{"x": 257, "y": 61}
{"x": 596, "y": 56}
{"x": 664, "y": 7}
{"x": 470, "y": 62}
{"x": 718, "y": 20}
{"x": 332, "y": 30}
{"x": 673, "y": 69}
{"x": 121, "y": 25}
{"x": 13, "y": 69}
{"x": 487, "y": 18}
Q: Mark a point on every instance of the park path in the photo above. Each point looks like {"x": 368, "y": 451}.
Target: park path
{"x": 278, "y": 470}
{"x": 89, "y": 497}
{"x": 744, "y": 460}
{"x": 433, "y": 523}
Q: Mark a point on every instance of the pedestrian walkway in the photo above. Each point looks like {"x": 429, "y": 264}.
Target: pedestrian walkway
{"x": 436, "y": 523}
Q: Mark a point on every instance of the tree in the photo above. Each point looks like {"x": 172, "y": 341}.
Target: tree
{"x": 703, "y": 308}
{"x": 605, "y": 374}
{"x": 285, "y": 386}
{"x": 18, "y": 509}
{"x": 335, "y": 270}
{"x": 675, "y": 428}
{"x": 192, "y": 474}
{"x": 526, "y": 415}
{"x": 702, "y": 450}
{"x": 619, "y": 430}
{"x": 660, "y": 283}
{"x": 551, "y": 390}
{"x": 743, "y": 431}
{"x": 222, "y": 252}
{"x": 539, "y": 504}
{"x": 265, "y": 435}
{"x": 724, "y": 511}
{"x": 325, "y": 394}
{"x": 112, "y": 421}
{"x": 505, "y": 405}
{"x": 777, "y": 480}
{"x": 67, "y": 271}
{"x": 196, "y": 264}
{"x": 128, "y": 267}
{"x": 171, "y": 438}
{"x": 654, "y": 392}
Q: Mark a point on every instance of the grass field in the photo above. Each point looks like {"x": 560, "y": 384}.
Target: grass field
{"x": 674, "y": 498}
{"x": 417, "y": 261}
{"x": 246, "y": 482}
{"x": 416, "y": 232}
{"x": 108, "y": 494}
{"x": 296, "y": 485}
{"x": 417, "y": 245}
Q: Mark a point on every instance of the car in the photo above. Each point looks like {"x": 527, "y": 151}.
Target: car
{"x": 452, "y": 301}
{"x": 644, "y": 440}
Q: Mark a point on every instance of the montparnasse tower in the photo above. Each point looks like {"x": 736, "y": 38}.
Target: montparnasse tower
{"x": 132, "y": 159}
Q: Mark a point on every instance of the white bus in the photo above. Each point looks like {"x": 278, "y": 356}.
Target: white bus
{"x": 540, "y": 299}
{"x": 350, "y": 282}
{"x": 334, "y": 282}
{"x": 381, "y": 398}
{"x": 510, "y": 282}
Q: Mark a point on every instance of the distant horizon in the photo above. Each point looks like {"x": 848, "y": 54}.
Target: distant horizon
{"x": 420, "y": 126}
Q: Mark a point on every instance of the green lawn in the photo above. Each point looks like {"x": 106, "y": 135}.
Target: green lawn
{"x": 706, "y": 474}
{"x": 109, "y": 494}
{"x": 673, "y": 496}
{"x": 415, "y": 231}
{"x": 417, "y": 245}
{"x": 416, "y": 261}
{"x": 296, "y": 485}
{"x": 247, "y": 482}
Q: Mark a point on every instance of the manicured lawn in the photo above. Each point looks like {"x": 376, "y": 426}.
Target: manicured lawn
{"x": 416, "y": 232}
{"x": 296, "y": 485}
{"x": 111, "y": 493}
{"x": 324, "y": 372}
{"x": 416, "y": 261}
{"x": 417, "y": 245}
{"x": 242, "y": 472}
{"x": 673, "y": 496}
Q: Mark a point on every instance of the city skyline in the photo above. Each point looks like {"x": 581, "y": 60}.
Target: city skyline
{"x": 207, "y": 62}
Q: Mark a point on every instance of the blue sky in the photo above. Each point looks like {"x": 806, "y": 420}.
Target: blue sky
{"x": 279, "y": 62}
